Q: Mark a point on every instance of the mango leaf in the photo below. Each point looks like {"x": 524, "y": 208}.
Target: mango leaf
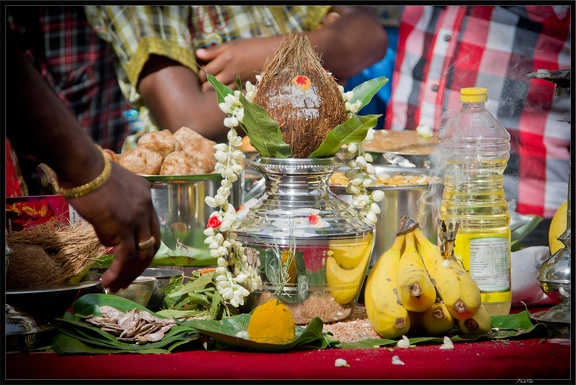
{"x": 264, "y": 133}
{"x": 366, "y": 91}
{"x": 238, "y": 82}
{"x": 226, "y": 330}
{"x": 351, "y": 131}
{"x": 221, "y": 89}
{"x": 521, "y": 232}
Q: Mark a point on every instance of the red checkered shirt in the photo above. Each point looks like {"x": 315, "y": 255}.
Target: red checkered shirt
{"x": 442, "y": 49}
{"x": 77, "y": 64}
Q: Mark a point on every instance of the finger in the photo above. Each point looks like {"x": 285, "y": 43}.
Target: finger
{"x": 125, "y": 267}
{"x": 155, "y": 230}
{"x": 208, "y": 53}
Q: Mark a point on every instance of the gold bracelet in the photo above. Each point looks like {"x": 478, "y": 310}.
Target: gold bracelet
{"x": 85, "y": 189}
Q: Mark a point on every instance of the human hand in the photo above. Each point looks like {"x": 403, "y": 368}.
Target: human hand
{"x": 244, "y": 57}
{"x": 123, "y": 215}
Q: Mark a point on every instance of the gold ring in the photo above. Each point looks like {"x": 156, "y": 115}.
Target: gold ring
{"x": 146, "y": 244}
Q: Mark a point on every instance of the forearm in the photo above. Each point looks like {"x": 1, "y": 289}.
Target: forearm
{"x": 38, "y": 123}
{"x": 350, "y": 43}
{"x": 173, "y": 96}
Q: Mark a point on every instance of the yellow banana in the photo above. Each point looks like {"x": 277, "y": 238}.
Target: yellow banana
{"x": 479, "y": 323}
{"x": 435, "y": 321}
{"x": 385, "y": 311}
{"x": 415, "y": 289}
{"x": 345, "y": 284}
{"x": 454, "y": 285}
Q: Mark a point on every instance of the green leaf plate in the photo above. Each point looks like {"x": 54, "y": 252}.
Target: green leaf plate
{"x": 503, "y": 327}
{"x": 226, "y": 332}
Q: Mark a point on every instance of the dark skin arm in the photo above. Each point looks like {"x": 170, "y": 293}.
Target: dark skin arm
{"x": 120, "y": 211}
{"x": 177, "y": 97}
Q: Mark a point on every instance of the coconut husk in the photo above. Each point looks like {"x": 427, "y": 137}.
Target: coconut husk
{"x": 300, "y": 95}
{"x": 30, "y": 267}
{"x": 50, "y": 254}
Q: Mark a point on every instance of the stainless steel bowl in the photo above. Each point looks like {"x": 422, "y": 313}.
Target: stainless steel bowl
{"x": 45, "y": 304}
{"x": 421, "y": 202}
{"x": 139, "y": 291}
{"x": 163, "y": 277}
{"x": 179, "y": 202}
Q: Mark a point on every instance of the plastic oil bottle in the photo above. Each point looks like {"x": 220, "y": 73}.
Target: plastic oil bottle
{"x": 473, "y": 151}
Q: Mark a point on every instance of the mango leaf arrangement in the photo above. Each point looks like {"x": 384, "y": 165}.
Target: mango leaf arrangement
{"x": 296, "y": 109}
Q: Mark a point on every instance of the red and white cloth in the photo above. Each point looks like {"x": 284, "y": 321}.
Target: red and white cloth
{"x": 442, "y": 49}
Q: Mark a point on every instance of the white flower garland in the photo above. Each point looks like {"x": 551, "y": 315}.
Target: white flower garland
{"x": 361, "y": 173}
{"x": 235, "y": 277}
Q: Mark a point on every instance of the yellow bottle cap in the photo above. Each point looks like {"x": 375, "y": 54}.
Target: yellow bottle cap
{"x": 473, "y": 95}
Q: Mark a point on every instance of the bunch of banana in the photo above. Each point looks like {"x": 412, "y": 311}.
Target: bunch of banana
{"x": 414, "y": 286}
{"x": 415, "y": 289}
{"x": 385, "y": 311}
{"x": 454, "y": 285}
{"x": 434, "y": 321}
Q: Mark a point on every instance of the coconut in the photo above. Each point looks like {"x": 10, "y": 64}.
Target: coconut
{"x": 50, "y": 254}
{"x": 300, "y": 95}
{"x": 30, "y": 267}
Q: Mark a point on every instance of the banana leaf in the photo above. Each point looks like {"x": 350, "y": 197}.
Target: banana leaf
{"x": 503, "y": 327}
{"x": 77, "y": 336}
{"x": 165, "y": 256}
{"x": 226, "y": 332}
{"x": 73, "y": 334}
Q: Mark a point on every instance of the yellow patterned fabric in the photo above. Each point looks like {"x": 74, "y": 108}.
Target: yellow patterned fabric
{"x": 136, "y": 32}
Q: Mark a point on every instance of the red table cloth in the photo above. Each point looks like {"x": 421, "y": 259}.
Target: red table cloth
{"x": 518, "y": 360}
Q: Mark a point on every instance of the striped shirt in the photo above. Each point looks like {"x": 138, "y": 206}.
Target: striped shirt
{"x": 442, "y": 49}
{"x": 77, "y": 65}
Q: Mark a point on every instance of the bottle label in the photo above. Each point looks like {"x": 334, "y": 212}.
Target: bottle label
{"x": 489, "y": 263}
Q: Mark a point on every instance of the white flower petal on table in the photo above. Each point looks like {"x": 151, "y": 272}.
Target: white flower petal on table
{"x": 447, "y": 345}
{"x": 340, "y": 362}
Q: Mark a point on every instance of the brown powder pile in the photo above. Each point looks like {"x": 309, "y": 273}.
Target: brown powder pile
{"x": 50, "y": 254}
{"x": 355, "y": 328}
{"x": 320, "y": 305}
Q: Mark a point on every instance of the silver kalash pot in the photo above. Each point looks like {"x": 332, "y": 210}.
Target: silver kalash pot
{"x": 297, "y": 216}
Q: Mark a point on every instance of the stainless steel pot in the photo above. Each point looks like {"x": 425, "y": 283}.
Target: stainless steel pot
{"x": 421, "y": 202}
{"x": 179, "y": 202}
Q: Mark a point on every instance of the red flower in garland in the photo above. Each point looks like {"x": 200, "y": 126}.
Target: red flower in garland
{"x": 313, "y": 219}
{"x": 213, "y": 221}
{"x": 301, "y": 82}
